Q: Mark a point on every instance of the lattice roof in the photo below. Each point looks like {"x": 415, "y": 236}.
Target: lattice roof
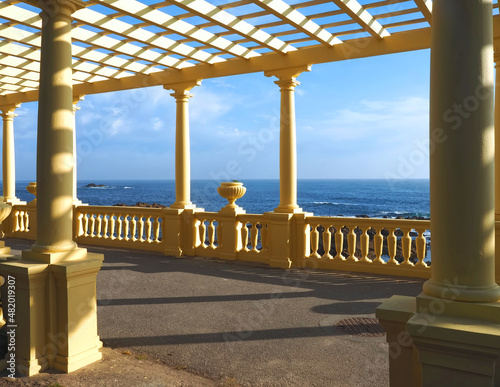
{"x": 119, "y": 44}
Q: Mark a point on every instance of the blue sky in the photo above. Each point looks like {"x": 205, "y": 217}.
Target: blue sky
{"x": 362, "y": 118}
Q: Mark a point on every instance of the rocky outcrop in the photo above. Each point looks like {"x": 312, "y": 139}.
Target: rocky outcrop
{"x": 93, "y": 185}
{"x": 141, "y": 204}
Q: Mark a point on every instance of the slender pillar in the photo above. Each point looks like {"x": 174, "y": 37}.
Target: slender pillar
{"x": 182, "y": 147}
{"x": 76, "y": 201}
{"x": 55, "y": 163}
{"x": 288, "y": 138}
{"x": 8, "y": 154}
{"x": 462, "y": 166}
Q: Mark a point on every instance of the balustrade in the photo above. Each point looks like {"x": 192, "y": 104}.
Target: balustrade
{"x": 387, "y": 246}
{"x": 132, "y": 227}
{"x": 353, "y": 242}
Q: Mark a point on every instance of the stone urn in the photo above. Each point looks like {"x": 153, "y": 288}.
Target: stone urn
{"x": 31, "y": 188}
{"x": 5, "y": 209}
{"x": 231, "y": 191}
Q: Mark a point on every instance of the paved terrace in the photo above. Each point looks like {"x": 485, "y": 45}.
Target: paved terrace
{"x": 258, "y": 325}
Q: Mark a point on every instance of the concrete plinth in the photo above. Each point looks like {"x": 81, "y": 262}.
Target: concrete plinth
{"x": 55, "y": 319}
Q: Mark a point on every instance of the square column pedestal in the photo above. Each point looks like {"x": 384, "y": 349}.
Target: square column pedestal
{"x": 458, "y": 343}
{"x": 55, "y": 319}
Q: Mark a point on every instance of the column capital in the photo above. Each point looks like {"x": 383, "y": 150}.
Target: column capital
{"x": 182, "y": 87}
{"x": 287, "y": 74}
{"x": 76, "y": 99}
{"x": 8, "y": 110}
{"x": 53, "y": 8}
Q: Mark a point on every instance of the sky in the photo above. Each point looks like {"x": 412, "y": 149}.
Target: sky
{"x": 356, "y": 119}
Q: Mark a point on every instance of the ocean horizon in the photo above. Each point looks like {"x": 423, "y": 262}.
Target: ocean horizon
{"x": 323, "y": 197}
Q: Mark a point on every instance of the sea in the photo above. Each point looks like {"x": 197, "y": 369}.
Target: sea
{"x": 374, "y": 198}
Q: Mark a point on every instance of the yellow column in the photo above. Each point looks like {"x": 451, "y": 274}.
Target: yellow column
{"x": 55, "y": 132}
{"x": 182, "y": 147}
{"x": 76, "y": 201}
{"x": 497, "y": 159}
{"x": 56, "y": 320}
{"x": 288, "y": 139}
{"x": 8, "y": 155}
{"x": 462, "y": 166}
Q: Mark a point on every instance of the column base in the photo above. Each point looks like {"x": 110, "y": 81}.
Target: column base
{"x": 288, "y": 210}
{"x": 458, "y": 342}
{"x": 14, "y": 201}
{"x": 56, "y": 312}
{"x": 56, "y": 257}
{"x": 462, "y": 293}
{"x": 183, "y": 206}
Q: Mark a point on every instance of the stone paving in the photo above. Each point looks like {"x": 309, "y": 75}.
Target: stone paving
{"x": 251, "y": 324}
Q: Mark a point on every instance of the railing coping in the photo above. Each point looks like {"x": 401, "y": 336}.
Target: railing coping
{"x": 364, "y": 222}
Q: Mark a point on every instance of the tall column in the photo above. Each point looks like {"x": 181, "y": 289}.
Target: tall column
{"x": 288, "y": 138}
{"x": 178, "y": 240}
{"x": 462, "y": 166}
{"x": 454, "y": 323}
{"x": 8, "y": 154}
{"x": 497, "y": 159}
{"x": 182, "y": 146}
{"x": 76, "y": 201}
{"x": 56, "y": 320}
{"x": 55, "y": 163}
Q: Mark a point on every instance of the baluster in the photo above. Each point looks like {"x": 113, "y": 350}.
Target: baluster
{"x": 92, "y": 226}
{"x": 112, "y": 224}
{"x": 351, "y": 245}
{"x": 16, "y": 217}
{"x": 126, "y": 227}
{"x": 254, "y": 237}
{"x": 365, "y": 239}
{"x": 421, "y": 247}
{"x": 406, "y": 246}
{"x": 263, "y": 237}
{"x": 211, "y": 234}
{"x": 314, "y": 241}
{"x": 244, "y": 236}
{"x": 86, "y": 224}
{"x": 202, "y": 231}
{"x": 120, "y": 227}
{"x": 378, "y": 242}
{"x": 99, "y": 225}
{"x": 105, "y": 231}
{"x": 140, "y": 235}
{"x": 27, "y": 221}
{"x": 80, "y": 224}
{"x": 157, "y": 227}
{"x": 327, "y": 242}
{"x": 134, "y": 229}
{"x": 149, "y": 228}
{"x": 21, "y": 225}
{"x": 391, "y": 247}
{"x": 339, "y": 243}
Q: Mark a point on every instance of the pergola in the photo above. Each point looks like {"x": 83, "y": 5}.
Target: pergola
{"x": 57, "y": 51}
